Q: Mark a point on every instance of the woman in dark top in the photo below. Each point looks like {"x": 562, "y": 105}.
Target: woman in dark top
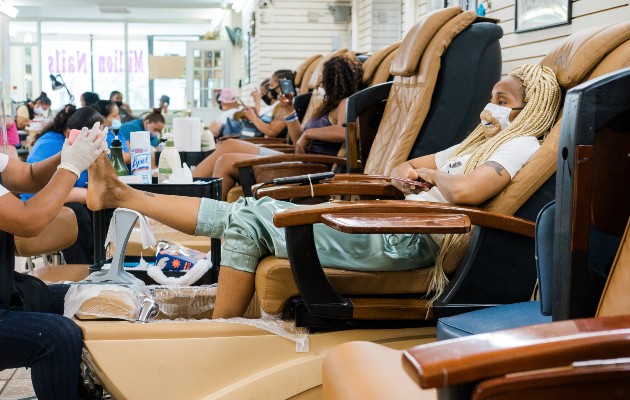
{"x": 46, "y": 342}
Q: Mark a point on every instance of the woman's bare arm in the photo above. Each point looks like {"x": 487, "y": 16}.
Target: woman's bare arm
{"x": 30, "y": 218}
{"x": 22, "y": 177}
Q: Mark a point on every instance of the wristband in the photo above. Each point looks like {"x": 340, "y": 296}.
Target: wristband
{"x": 70, "y": 168}
{"x": 291, "y": 117}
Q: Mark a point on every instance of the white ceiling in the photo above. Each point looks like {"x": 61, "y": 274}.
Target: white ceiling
{"x": 139, "y": 10}
{"x": 128, "y": 3}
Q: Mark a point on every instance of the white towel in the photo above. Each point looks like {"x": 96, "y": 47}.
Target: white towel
{"x": 146, "y": 235}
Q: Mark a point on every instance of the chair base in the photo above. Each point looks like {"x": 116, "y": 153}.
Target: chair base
{"x": 210, "y": 360}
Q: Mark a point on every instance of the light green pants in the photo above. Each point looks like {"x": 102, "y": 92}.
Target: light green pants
{"x": 249, "y": 233}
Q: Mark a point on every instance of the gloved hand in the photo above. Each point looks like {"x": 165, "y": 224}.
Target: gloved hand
{"x": 86, "y": 148}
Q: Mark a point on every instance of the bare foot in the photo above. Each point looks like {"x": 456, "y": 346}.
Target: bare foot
{"x": 104, "y": 188}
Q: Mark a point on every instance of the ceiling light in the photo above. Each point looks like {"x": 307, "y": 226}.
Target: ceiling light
{"x": 8, "y": 10}
{"x": 114, "y": 9}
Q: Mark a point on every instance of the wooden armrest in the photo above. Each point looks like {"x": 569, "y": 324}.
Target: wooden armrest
{"x": 312, "y": 214}
{"x": 558, "y": 344}
{"x": 395, "y": 223}
{"x": 61, "y": 233}
{"x": 265, "y": 140}
{"x": 290, "y": 158}
{"x": 376, "y": 188}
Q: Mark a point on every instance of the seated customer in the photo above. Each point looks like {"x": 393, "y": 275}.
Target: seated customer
{"x": 48, "y": 144}
{"x": 229, "y": 106}
{"x": 125, "y": 111}
{"x": 46, "y": 342}
{"x": 342, "y": 76}
{"x": 152, "y": 122}
{"x": 111, "y": 119}
{"x": 32, "y": 109}
{"x": 270, "y": 121}
{"x": 524, "y": 107}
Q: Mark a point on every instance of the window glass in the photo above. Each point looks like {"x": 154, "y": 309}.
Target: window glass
{"x": 86, "y": 56}
{"x": 24, "y": 61}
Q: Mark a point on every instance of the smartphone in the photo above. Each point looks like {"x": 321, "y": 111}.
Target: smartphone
{"x": 286, "y": 86}
{"x": 411, "y": 182}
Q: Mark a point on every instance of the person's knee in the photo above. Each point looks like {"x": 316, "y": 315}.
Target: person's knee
{"x": 61, "y": 334}
{"x": 225, "y": 166}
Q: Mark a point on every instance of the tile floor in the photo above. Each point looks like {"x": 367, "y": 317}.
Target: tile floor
{"x": 15, "y": 384}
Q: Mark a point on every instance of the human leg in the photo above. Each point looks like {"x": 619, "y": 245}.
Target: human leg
{"x": 107, "y": 191}
{"x": 234, "y": 292}
{"x": 224, "y": 168}
{"x": 206, "y": 168}
{"x": 82, "y": 251}
{"x": 49, "y": 344}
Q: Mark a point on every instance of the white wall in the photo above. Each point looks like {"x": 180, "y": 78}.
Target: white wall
{"x": 285, "y": 36}
{"x": 525, "y": 47}
{"x": 521, "y": 48}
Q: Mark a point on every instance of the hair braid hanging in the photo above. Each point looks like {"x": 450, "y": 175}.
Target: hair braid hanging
{"x": 542, "y": 102}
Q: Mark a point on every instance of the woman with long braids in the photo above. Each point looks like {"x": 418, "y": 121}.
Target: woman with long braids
{"x": 323, "y": 134}
{"x": 523, "y": 108}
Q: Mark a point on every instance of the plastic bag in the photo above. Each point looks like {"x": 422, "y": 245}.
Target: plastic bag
{"x": 98, "y": 301}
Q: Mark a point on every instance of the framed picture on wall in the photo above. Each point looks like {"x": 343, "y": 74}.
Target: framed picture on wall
{"x": 540, "y": 14}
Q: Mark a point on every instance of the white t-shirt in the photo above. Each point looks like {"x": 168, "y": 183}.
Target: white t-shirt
{"x": 511, "y": 155}
{"x": 4, "y": 160}
{"x": 227, "y": 114}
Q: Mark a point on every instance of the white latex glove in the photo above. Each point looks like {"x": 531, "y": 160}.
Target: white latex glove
{"x": 90, "y": 144}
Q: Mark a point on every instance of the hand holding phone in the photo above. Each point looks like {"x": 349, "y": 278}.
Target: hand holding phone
{"x": 286, "y": 86}
{"x": 420, "y": 184}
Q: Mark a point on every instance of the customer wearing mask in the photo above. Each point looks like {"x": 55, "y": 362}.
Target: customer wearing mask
{"x": 111, "y": 119}
{"x": 470, "y": 174}
{"x": 125, "y": 111}
{"x": 342, "y": 76}
{"x": 31, "y": 110}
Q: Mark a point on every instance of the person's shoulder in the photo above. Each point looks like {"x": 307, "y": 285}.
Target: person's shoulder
{"x": 523, "y": 142}
{"x": 51, "y": 137}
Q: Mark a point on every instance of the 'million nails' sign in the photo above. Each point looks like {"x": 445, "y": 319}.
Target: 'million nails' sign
{"x": 77, "y": 62}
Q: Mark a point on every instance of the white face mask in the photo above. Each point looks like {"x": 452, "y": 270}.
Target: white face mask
{"x": 494, "y": 118}
{"x": 321, "y": 91}
{"x": 116, "y": 124}
{"x": 39, "y": 111}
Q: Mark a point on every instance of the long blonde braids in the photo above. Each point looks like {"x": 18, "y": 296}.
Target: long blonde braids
{"x": 542, "y": 102}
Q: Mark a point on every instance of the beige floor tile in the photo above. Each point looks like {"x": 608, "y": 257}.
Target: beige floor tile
{"x": 22, "y": 373}
{"x": 6, "y": 374}
{"x": 18, "y": 388}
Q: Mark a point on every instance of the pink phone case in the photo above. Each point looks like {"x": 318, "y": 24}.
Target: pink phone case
{"x": 410, "y": 182}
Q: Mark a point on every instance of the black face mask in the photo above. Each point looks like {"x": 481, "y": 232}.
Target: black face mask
{"x": 274, "y": 94}
{"x": 266, "y": 99}
{"x": 118, "y": 103}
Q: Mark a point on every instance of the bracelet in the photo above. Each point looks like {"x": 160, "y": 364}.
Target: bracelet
{"x": 291, "y": 117}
